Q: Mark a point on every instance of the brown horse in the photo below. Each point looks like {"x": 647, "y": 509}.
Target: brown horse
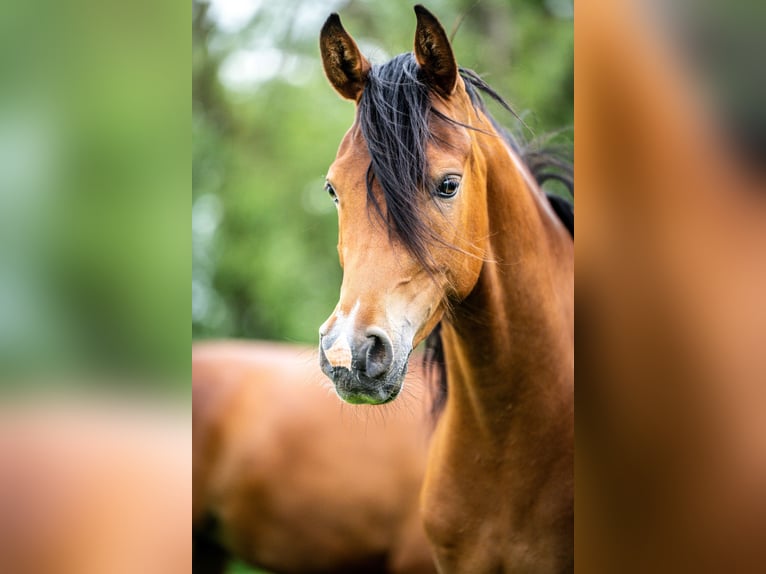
{"x": 290, "y": 479}
{"x": 441, "y": 222}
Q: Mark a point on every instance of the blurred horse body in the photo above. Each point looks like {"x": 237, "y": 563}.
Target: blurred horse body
{"x": 290, "y": 479}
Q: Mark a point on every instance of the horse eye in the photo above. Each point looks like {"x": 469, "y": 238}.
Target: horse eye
{"x": 448, "y": 187}
{"x": 331, "y": 190}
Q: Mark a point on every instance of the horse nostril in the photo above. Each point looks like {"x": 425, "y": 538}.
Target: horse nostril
{"x": 379, "y": 354}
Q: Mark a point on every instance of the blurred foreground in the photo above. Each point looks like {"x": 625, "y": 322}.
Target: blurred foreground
{"x": 89, "y": 486}
{"x": 671, "y": 277}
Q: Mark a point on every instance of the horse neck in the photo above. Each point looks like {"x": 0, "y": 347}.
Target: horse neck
{"x": 509, "y": 344}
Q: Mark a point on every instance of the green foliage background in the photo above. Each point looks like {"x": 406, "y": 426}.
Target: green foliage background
{"x": 266, "y": 125}
{"x": 94, "y": 176}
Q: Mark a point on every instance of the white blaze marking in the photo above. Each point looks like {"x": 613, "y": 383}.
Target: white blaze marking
{"x": 339, "y": 355}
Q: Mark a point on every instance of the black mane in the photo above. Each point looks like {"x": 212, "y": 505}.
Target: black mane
{"x": 395, "y": 115}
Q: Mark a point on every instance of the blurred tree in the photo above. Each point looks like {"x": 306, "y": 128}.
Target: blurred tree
{"x": 266, "y": 125}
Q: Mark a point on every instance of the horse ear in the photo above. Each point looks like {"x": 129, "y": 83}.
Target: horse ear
{"x": 434, "y": 53}
{"x": 344, "y": 64}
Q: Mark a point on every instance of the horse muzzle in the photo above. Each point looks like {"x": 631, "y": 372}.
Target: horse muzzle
{"x": 363, "y": 364}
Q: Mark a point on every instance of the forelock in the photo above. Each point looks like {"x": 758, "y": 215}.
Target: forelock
{"x": 394, "y": 113}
